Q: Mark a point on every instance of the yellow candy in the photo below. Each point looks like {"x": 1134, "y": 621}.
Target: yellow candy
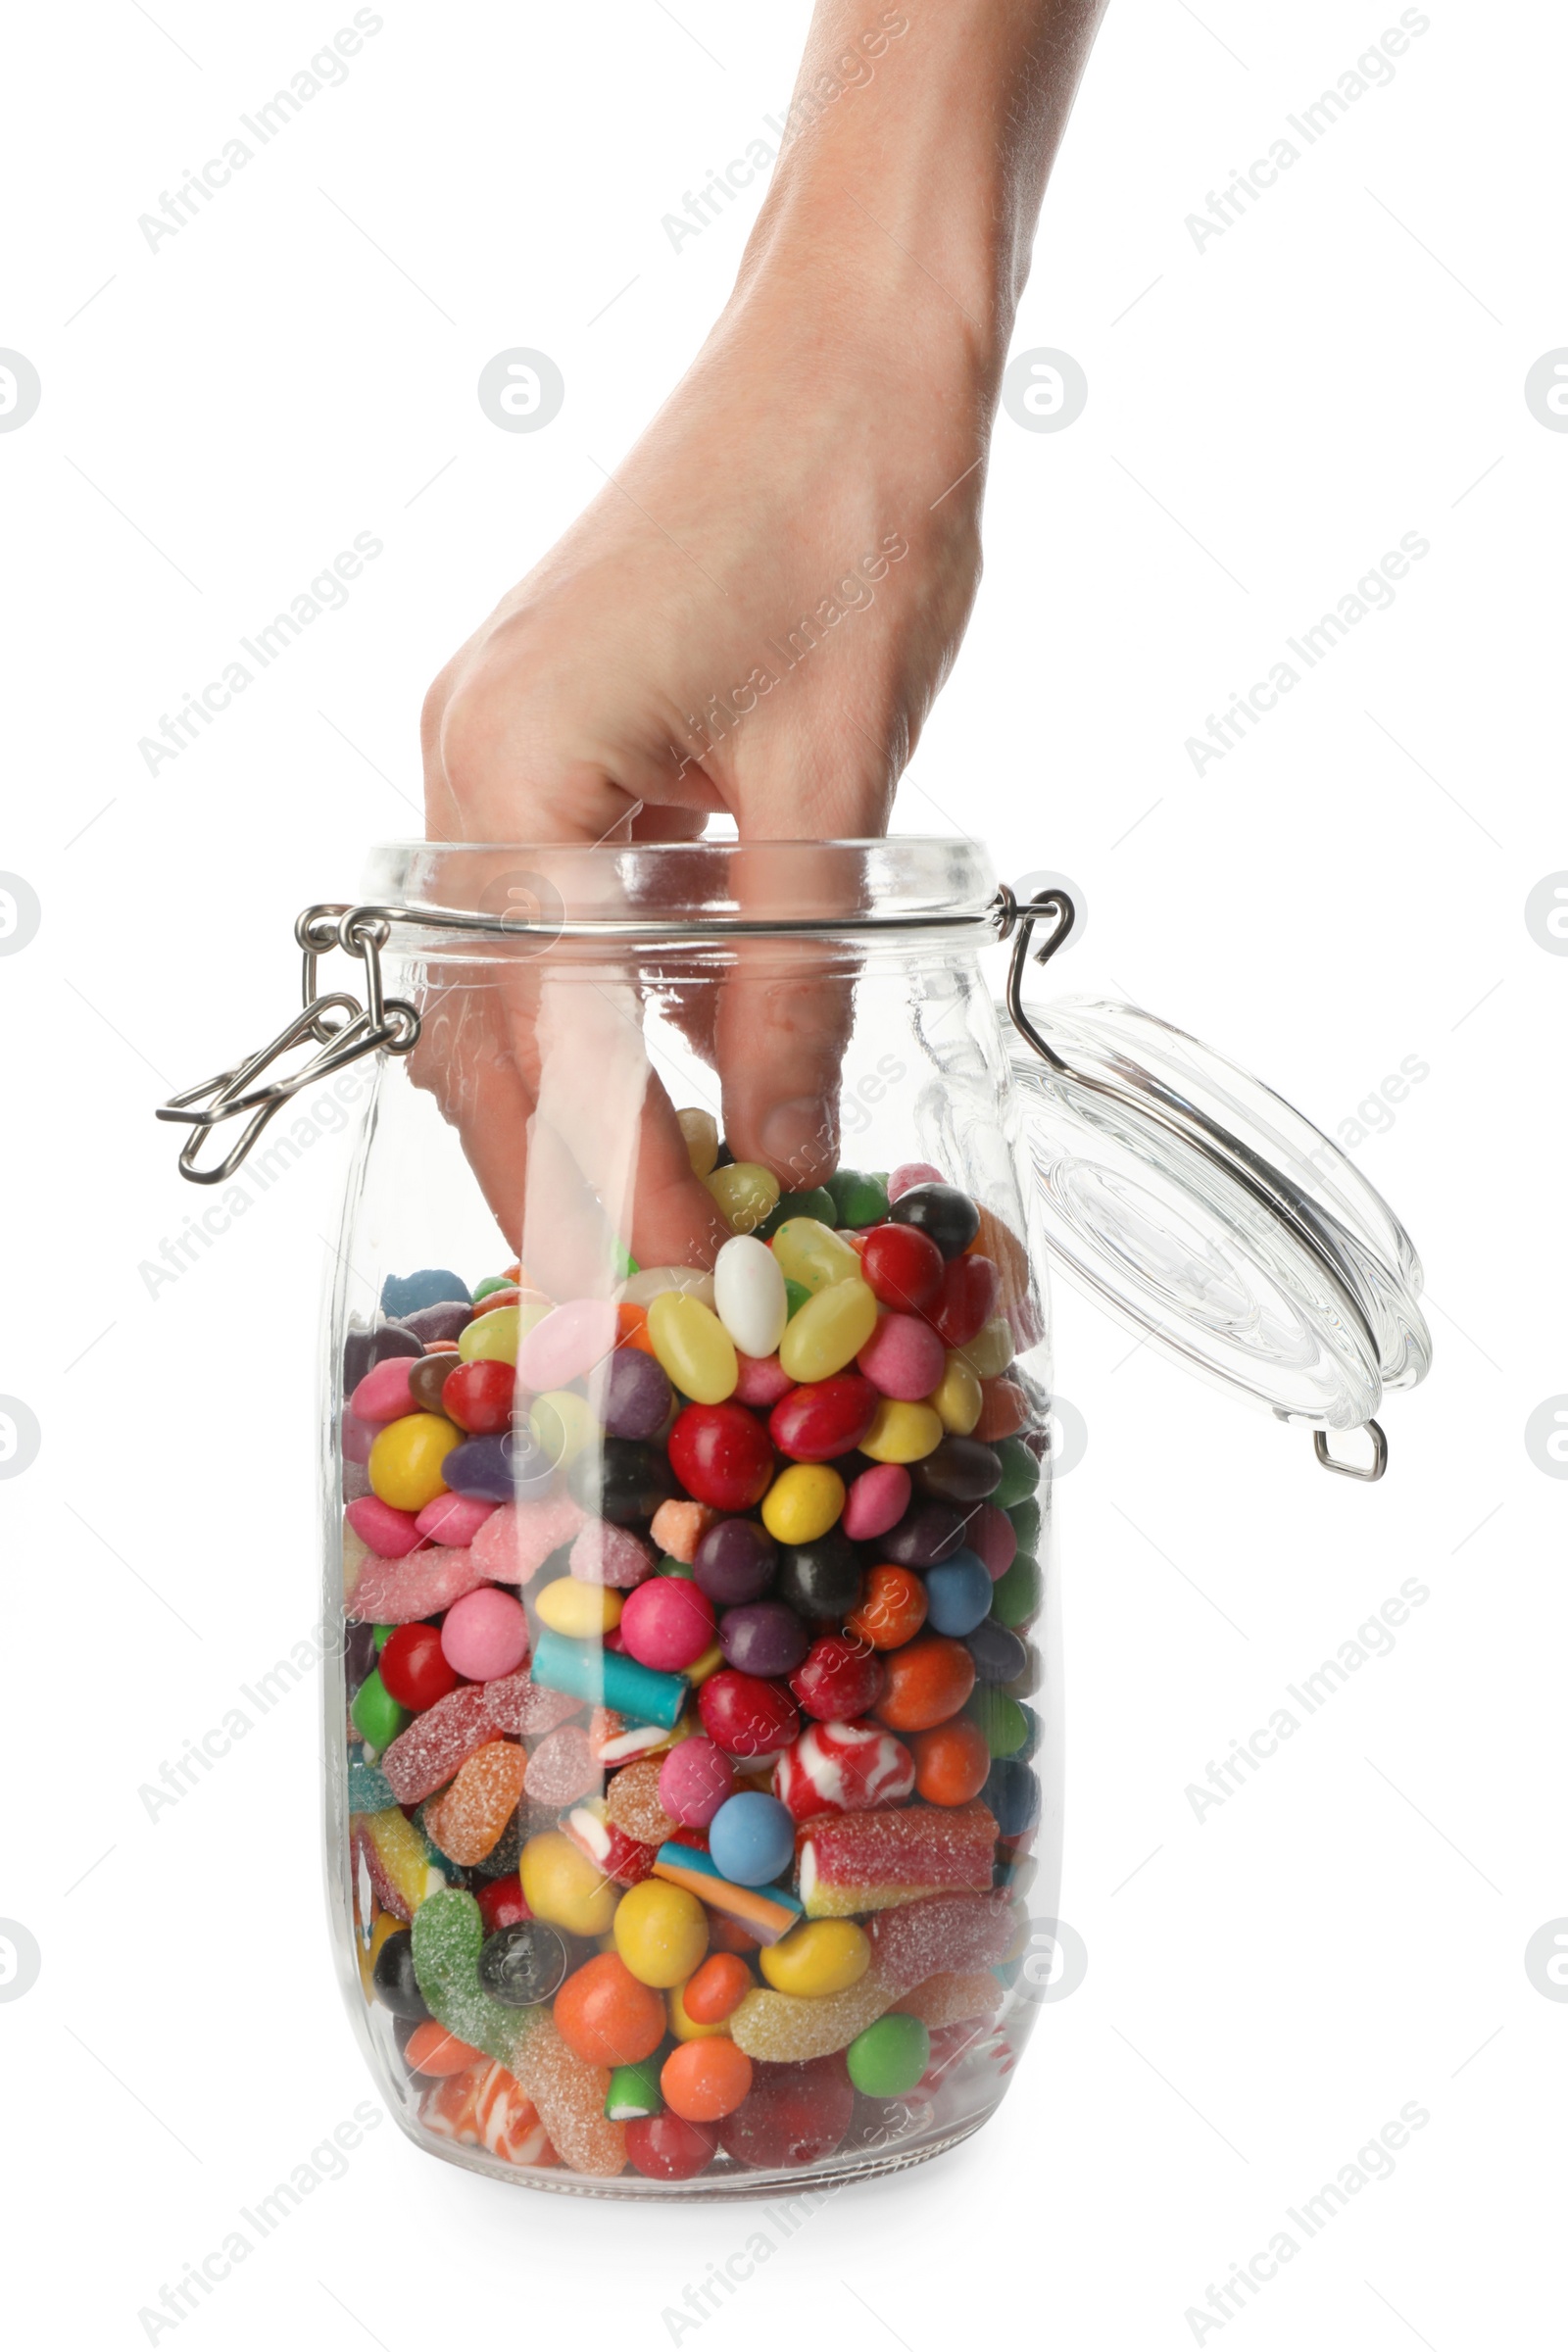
{"x": 495, "y": 1337}
{"x": 746, "y": 1193}
{"x": 561, "y": 1886}
{"x": 712, "y": 1659}
{"x": 903, "y": 1433}
{"x": 700, "y": 1130}
{"x": 684, "y": 2027}
{"x": 405, "y": 1464}
{"x": 579, "y": 1610}
{"x": 694, "y": 1347}
{"x": 403, "y": 1855}
{"x": 564, "y": 1423}
{"x": 957, "y": 1396}
{"x": 819, "y": 1957}
{"x": 661, "y": 1932}
{"x": 803, "y": 1503}
{"x": 829, "y": 1331}
{"x": 811, "y": 1254}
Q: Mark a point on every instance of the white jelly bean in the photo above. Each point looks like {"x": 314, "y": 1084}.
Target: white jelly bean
{"x": 749, "y": 1293}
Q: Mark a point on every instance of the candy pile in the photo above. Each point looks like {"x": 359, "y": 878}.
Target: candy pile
{"x": 688, "y": 1745}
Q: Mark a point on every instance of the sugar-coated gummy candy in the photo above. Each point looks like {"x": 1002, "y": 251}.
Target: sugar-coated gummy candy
{"x": 522, "y": 1964}
{"x": 890, "y": 2057}
{"x": 605, "y": 1555}
{"x": 633, "y": 1804}
{"x": 786, "y": 2026}
{"x": 452, "y": 1519}
{"x": 666, "y": 2147}
{"x": 606, "y": 2015}
{"x": 951, "y": 1997}
{"x": 694, "y": 1780}
{"x": 421, "y": 1584}
{"x": 570, "y": 2094}
{"x": 749, "y": 1295}
{"x": 430, "y": 1753}
{"x": 401, "y": 1870}
{"x": 704, "y": 2079}
{"x": 843, "y": 1767}
{"x": 920, "y": 1940}
{"x": 957, "y": 1594}
{"x": 515, "y": 1542}
{"x": 388, "y": 1533}
{"x": 876, "y": 1501}
{"x": 564, "y": 1888}
{"x": 485, "y": 1635}
{"x": 796, "y": 2114}
{"x": 448, "y": 1937}
{"x": 854, "y": 1862}
{"x": 563, "y": 1767}
{"x": 820, "y": 1956}
{"x": 369, "y": 1790}
{"x": 678, "y": 1528}
{"x": 752, "y": 1838}
{"x": 469, "y": 1817}
{"x": 660, "y": 1933}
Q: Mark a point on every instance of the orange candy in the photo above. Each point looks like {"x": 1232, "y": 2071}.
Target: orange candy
{"x": 631, "y": 1327}
{"x": 468, "y": 1818}
{"x": 703, "y": 2080}
{"x": 728, "y": 1936}
{"x": 606, "y": 2017}
{"x": 431, "y": 2050}
{"x": 892, "y": 1607}
{"x": 926, "y": 1684}
{"x": 1008, "y": 1254}
{"x": 1003, "y": 1412}
{"x": 719, "y": 1986}
{"x": 951, "y": 1762}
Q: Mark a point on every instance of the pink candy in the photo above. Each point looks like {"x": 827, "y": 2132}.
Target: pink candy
{"x": 604, "y": 1555}
{"x": 763, "y": 1380}
{"x": 569, "y": 1342}
{"x": 666, "y": 1624}
{"x": 421, "y": 1584}
{"x": 515, "y": 1542}
{"x": 991, "y": 1535}
{"x": 387, "y": 1532}
{"x": 485, "y": 1635}
{"x": 694, "y": 1780}
{"x": 903, "y": 1357}
{"x": 878, "y": 1500}
{"x": 913, "y": 1172}
{"x": 355, "y": 1440}
{"x": 452, "y": 1519}
{"x": 384, "y": 1393}
{"x": 440, "y": 1741}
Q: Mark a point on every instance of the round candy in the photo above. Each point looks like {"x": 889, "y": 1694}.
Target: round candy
{"x": 1019, "y": 1474}
{"x": 957, "y": 1594}
{"x": 405, "y": 1464}
{"x": 694, "y": 1347}
{"x": 931, "y": 1532}
{"x": 839, "y": 1679}
{"x": 825, "y": 1418}
{"x": 521, "y": 1964}
{"x": 843, "y": 1768}
{"x": 830, "y": 1328}
{"x": 660, "y": 1933}
{"x": 484, "y": 1635}
{"x": 876, "y": 1501}
{"x": 766, "y": 1637}
{"x": 752, "y": 1838}
{"x": 561, "y": 1886}
{"x": 703, "y": 2080}
{"x": 966, "y": 1300}
{"x": 749, "y": 1295}
{"x": 606, "y": 2016}
{"x": 903, "y": 1433}
{"x": 889, "y": 2058}
{"x": 636, "y": 1394}
{"x": 796, "y": 2114}
{"x": 414, "y": 1668}
{"x": 1000, "y": 1655}
{"x": 478, "y": 1396}
{"x": 623, "y": 1480}
{"x": 499, "y": 1469}
{"x": 1012, "y": 1793}
{"x": 722, "y": 1455}
{"x": 950, "y": 1217}
{"x": 821, "y": 1579}
{"x": 667, "y": 2147}
{"x": 903, "y": 1266}
{"x": 892, "y": 1607}
{"x": 717, "y": 1990}
{"x": 667, "y": 1623}
{"x": 682, "y": 2025}
{"x": 818, "y": 1957}
{"x": 951, "y": 1762}
{"x": 735, "y": 1561}
{"x": 959, "y": 1470}
{"x": 747, "y": 1718}
{"x": 803, "y": 1503}
{"x": 902, "y": 1358}
{"x": 859, "y": 1199}
{"x": 926, "y": 1683}
{"x": 694, "y": 1780}
{"x": 396, "y": 1986}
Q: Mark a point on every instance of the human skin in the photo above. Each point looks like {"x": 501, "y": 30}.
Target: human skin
{"x": 839, "y": 410}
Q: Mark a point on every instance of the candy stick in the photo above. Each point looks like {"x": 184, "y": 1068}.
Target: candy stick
{"x": 852, "y": 1862}
{"x": 609, "y": 1678}
{"x": 767, "y": 1911}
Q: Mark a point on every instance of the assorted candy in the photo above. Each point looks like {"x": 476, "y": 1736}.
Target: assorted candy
{"x": 688, "y": 1733}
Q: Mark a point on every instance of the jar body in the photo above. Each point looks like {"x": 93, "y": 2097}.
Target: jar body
{"x": 698, "y": 1630}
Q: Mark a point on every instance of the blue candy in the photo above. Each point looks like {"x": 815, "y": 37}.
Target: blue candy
{"x": 750, "y": 1839}
{"x": 1012, "y": 1793}
{"x": 431, "y": 1286}
{"x": 608, "y": 1678}
{"x": 957, "y": 1594}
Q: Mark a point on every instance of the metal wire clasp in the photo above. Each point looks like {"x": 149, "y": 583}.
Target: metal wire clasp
{"x": 338, "y": 1023}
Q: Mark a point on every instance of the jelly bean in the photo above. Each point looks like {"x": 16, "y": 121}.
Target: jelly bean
{"x": 355, "y": 1440}
{"x": 752, "y": 1838}
{"x": 491, "y": 1282}
{"x": 838, "y": 1680}
{"x": 378, "y": 1717}
{"x": 951, "y": 1762}
{"x": 860, "y": 1200}
{"x": 889, "y": 2058}
{"x": 818, "y": 1203}
{"x": 384, "y": 1393}
{"x": 497, "y": 1337}
{"x": 718, "y": 1988}
{"x": 485, "y": 1635}
{"x": 797, "y": 2114}
{"x": 692, "y": 1346}
{"x": 431, "y": 2050}
{"x": 747, "y": 1718}
{"x": 521, "y": 1962}
{"x": 843, "y": 1768}
{"x": 644, "y": 1288}
{"x": 763, "y": 1638}
{"x": 989, "y": 1535}
{"x": 606, "y": 1554}
{"x": 515, "y": 1542}
{"x": 957, "y": 1594}
{"x": 608, "y": 2016}
{"x": 821, "y": 1579}
{"x": 567, "y": 1344}
{"x": 660, "y": 1933}
{"x": 957, "y": 1397}
{"x": 431, "y": 1286}
{"x": 966, "y": 1299}
{"x": 667, "y": 1623}
{"x": 749, "y": 1295}
{"x": 745, "y": 1194}
{"x": 930, "y": 1531}
{"x": 454, "y": 1519}
{"x": 1012, "y": 1793}
{"x": 761, "y": 1379}
{"x": 803, "y": 1503}
{"x": 992, "y": 1348}
{"x": 926, "y": 1684}
{"x": 694, "y": 1780}
{"x": 635, "y": 1396}
{"x": 820, "y": 1956}
{"x": 390, "y": 1534}
{"x": 396, "y": 1986}
{"x": 998, "y": 1654}
{"x": 959, "y": 1470}
{"x": 495, "y": 1469}
{"x": 912, "y": 1173}
{"x": 734, "y": 1562}
{"x": 825, "y": 1418}
{"x": 633, "y": 2092}
{"x": 608, "y": 1678}
{"x": 564, "y": 1888}
{"x": 796, "y": 1295}
{"x": 902, "y": 1358}
{"x": 722, "y": 1455}
{"x": 892, "y": 1607}
{"x": 811, "y": 1254}
{"x": 1018, "y": 1474}
{"x": 362, "y": 1349}
{"x": 579, "y": 1610}
{"x": 876, "y": 1501}
{"x": 829, "y": 1332}
{"x": 949, "y": 1216}
{"x": 414, "y": 1668}
{"x": 564, "y": 1424}
{"x": 903, "y": 1432}
{"x": 502, "y": 1903}
{"x": 405, "y": 1460}
{"x": 699, "y": 1129}
{"x": 427, "y": 1380}
{"x": 703, "y": 2080}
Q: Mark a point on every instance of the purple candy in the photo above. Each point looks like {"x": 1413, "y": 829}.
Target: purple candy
{"x": 735, "y": 1562}
{"x": 362, "y": 1349}
{"x": 998, "y": 1655}
{"x": 499, "y": 1469}
{"x": 931, "y": 1532}
{"x": 441, "y": 1322}
{"x": 637, "y": 1395}
{"x": 765, "y": 1638}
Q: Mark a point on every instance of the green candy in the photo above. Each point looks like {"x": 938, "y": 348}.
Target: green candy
{"x": 818, "y": 1205}
{"x": 796, "y": 1294}
{"x": 633, "y": 2092}
{"x": 448, "y": 1932}
{"x": 1020, "y": 1473}
{"x": 1026, "y": 1517}
{"x": 890, "y": 2057}
{"x": 1002, "y": 1719}
{"x": 383, "y": 1634}
{"x": 860, "y": 1200}
{"x": 368, "y": 1788}
{"x": 491, "y": 1282}
{"x": 1015, "y": 1596}
{"x": 623, "y": 1262}
{"x": 378, "y": 1717}
{"x": 669, "y": 1567}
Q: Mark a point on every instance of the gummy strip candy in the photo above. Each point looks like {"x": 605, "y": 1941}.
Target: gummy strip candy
{"x": 437, "y": 1744}
{"x": 571, "y": 2096}
{"x": 448, "y": 1932}
{"x": 467, "y": 1820}
{"x": 852, "y": 1862}
{"x": 399, "y": 1860}
{"x": 402, "y": 1592}
{"x": 767, "y": 1911}
{"x": 953, "y": 1998}
{"x": 909, "y": 1945}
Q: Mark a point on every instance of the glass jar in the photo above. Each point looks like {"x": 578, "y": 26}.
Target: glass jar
{"x": 694, "y": 1732}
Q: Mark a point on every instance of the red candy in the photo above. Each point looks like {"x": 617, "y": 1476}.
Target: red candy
{"x": 722, "y": 1455}
{"x": 966, "y": 1300}
{"x": 903, "y": 1266}
{"x": 414, "y": 1667}
{"x": 927, "y": 1682}
{"x": 666, "y": 2147}
{"x": 794, "y": 2113}
{"x": 843, "y": 1768}
{"x": 838, "y": 1680}
{"x": 502, "y": 1903}
{"x": 825, "y": 1418}
{"x": 478, "y": 1397}
{"x": 746, "y": 1716}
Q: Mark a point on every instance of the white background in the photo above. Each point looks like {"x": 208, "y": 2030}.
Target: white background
{"x": 1344, "y": 365}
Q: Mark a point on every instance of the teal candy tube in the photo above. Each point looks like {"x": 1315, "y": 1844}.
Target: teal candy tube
{"x": 609, "y": 1678}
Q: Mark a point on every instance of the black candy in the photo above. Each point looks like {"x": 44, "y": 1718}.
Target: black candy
{"x": 930, "y": 1532}
{"x": 628, "y": 1484}
{"x": 999, "y": 1653}
{"x": 821, "y": 1579}
{"x": 1012, "y": 1793}
{"x": 960, "y": 1470}
{"x": 522, "y": 1965}
{"x": 949, "y": 1216}
{"x": 396, "y": 1986}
